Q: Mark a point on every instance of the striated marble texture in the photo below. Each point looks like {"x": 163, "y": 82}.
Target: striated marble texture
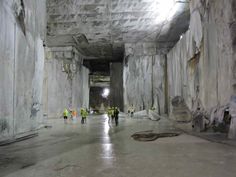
{"x": 22, "y": 32}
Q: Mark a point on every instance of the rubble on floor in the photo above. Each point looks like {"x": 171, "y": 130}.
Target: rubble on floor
{"x": 147, "y": 114}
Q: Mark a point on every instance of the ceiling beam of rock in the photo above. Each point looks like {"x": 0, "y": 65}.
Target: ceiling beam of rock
{"x": 100, "y": 28}
{"x": 99, "y": 80}
{"x": 101, "y": 67}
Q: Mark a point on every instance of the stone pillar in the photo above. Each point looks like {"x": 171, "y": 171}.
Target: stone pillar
{"x": 116, "y": 85}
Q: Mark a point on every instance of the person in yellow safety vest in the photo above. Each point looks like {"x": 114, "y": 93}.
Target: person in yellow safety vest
{"x": 112, "y": 113}
{"x": 109, "y": 113}
{"x": 65, "y": 114}
{"x": 83, "y": 114}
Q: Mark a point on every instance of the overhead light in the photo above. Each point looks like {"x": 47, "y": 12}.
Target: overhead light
{"x": 164, "y": 10}
{"x": 165, "y": 6}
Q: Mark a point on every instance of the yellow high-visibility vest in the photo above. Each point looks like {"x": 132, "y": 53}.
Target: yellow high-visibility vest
{"x": 65, "y": 112}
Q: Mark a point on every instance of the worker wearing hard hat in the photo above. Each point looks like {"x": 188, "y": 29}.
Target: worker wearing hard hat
{"x": 83, "y": 114}
{"x": 65, "y": 114}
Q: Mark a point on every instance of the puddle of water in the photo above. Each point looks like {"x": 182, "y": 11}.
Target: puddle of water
{"x": 149, "y": 136}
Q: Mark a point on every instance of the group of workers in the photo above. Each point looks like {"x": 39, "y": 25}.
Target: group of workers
{"x": 73, "y": 114}
{"x": 113, "y": 113}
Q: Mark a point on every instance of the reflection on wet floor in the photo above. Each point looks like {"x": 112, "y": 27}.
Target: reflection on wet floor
{"x": 99, "y": 148}
{"x": 107, "y": 148}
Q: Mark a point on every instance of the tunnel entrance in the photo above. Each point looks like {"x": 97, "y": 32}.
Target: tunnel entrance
{"x": 98, "y": 99}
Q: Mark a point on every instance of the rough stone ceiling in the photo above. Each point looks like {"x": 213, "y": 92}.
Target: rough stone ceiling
{"x": 99, "y": 28}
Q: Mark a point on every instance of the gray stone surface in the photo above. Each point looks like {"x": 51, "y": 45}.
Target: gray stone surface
{"x": 200, "y": 65}
{"x": 233, "y": 37}
{"x": 106, "y": 24}
{"x": 23, "y": 27}
{"x": 101, "y": 149}
{"x": 147, "y": 114}
{"x": 180, "y": 110}
{"x": 116, "y": 85}
{"x": 66, "y": 82}
{"x": 144, "y": 77}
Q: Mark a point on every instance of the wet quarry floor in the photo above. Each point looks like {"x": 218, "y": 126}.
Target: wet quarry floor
{"x": 101, "y": 149}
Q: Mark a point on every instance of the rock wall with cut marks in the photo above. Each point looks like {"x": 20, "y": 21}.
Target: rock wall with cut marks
{"x": 22, "y": 32}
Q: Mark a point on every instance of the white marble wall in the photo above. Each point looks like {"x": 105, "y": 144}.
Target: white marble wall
{"x": 143, "y": 77}
{"x": 207, "y": 79}
{"x": 66, "y": 81}
{"x": 21, "y": 66}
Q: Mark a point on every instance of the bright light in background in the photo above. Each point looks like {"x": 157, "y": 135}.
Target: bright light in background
{"x": 163, "y": 9}
{"x": 105, "y": 93}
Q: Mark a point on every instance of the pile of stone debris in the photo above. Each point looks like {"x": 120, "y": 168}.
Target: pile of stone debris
{"x": 221, "y": 119}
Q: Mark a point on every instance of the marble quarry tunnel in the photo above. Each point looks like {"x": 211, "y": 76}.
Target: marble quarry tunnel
{"x": 169, "y": 66}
